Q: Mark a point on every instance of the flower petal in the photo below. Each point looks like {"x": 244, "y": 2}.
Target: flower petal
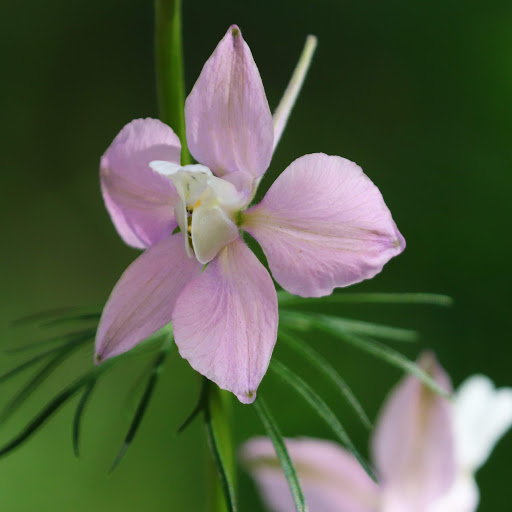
{"x": 331, "y": 478}
{"x": 143, "y": 299}
{"x": 323, "y": 224}
{"x": 225, "y": 321}
{"x": 482, "y": 416}
{"x": 211, "y": 229}
{"x": 229, "y": 124}
{"x": 463, "y": 496}
{"x": 139, "y": 201}
{"x": 413, "y": 447}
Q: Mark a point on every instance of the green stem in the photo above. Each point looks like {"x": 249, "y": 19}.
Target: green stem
{"x": 219, "y": 406}
{"x": 170, "y": 82}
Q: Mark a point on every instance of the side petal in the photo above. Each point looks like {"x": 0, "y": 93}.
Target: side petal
{"x": 142, "y": 301}
{"x": 331, "y": 478}
{"x": 139, "y": 201}
{"x": 229, "y": 124}
{"x": 323, "y": 224}
{"x": 483, "y": 414}
{"x": 413, "y": 447}
{"x": 225, "y": 321}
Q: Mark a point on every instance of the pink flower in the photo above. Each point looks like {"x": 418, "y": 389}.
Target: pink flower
{"x": 425, "y": 450}
{"x": 323, "y": 224}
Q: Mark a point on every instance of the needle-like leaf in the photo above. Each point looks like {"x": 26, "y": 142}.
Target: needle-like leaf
{"x": 45, "y": 317}
{"x": 53, "y": 406}
{"x": 339, "y": 326}
{"x": 27, "y": 390}
{"x": 156, "y": 371}
{"x": 287, "y": 299}
{"x": 63, "y": 339}
{"x": 394, "y": 358}
{"x": 282, "y": 454}
{"x": 77, "y": 340}
{"x": 77, "y": 420}
{"x": 323, "y": 410}
{"x": 311, "y": 355}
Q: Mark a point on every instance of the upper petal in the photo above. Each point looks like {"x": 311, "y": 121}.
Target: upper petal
{"x": 229, "y": 124}
{"x": 139, "y": 201}
{"x": 225, "y": 321}
{"x": 482, "y": 416}
{"x": 413, "y": 447}
{"x": 331, "y": 478}
{"x": 142, "y": 301}
{"x": 323, "y": 224}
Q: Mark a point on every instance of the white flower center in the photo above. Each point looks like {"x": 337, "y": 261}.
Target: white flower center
{"x": 206, "y": 208}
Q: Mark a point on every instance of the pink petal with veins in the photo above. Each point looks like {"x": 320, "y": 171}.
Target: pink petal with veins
{"x": 225, "y": 321}
{"x": 323, "y": 224}
{"x": 139, "y": 201}
{"x": 229, "y": 124}
{"x": 142, "y": 301}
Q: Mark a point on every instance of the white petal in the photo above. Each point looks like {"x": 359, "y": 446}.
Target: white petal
{"x": 164, "y": 168}
{"x": 482, "y": 416}
{"x": 463, "y": 496}
{"x": 212, "y": 230}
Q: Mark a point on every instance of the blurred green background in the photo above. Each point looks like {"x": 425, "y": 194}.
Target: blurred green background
{"x": 418, "y": 93}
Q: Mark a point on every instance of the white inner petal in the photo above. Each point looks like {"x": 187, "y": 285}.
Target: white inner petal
{"x": 206, "y": 208}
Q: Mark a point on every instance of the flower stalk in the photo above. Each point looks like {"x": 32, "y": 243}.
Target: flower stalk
{"x": 170, "y": 80}
{"x": 218, "y": 423}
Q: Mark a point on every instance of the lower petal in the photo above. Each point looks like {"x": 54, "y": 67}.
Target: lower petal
{"x": 143, "y": 299}
{"x": 323, "y": 224}
{"x": 225, "y": 321}
{"x": 331, "y": 478}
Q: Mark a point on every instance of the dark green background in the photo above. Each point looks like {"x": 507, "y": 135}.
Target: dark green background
{"x": 418, "y": 93}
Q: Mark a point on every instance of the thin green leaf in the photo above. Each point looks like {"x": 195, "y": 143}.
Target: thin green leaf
{"x": 31, "y": 386}
{"x": 34, "y": 360}
{"x": 394, "y": 358}
{"x": 282, "y": 454}
{"x": 201, "y": 404}
{"x": 287, "y": 299}
{"x": 60, "y": 399}
{"x": 339, "y": 326}
{"x": 82, "y": 318}
{"x": 323, "y": 410}
{"x": 64, "y": 339}
{"x": 54, "y": 314}
{"x": 144, "y": 402}
{"x": 215, "y": 447}
{"x": 77, "y": 420}
{"x": 311, "y": 355}
{"x": 53, "y": 406}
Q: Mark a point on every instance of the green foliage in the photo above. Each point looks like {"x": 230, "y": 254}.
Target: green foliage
{"x": 326, "y": 369}
{"x": 321, "y": 408}
{"x": 282, "y": 454}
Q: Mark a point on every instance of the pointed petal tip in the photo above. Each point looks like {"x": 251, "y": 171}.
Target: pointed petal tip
{"x": 228, "y": 120}
{"x": 235, "y": 31}
{"x": 248, "y": 397}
